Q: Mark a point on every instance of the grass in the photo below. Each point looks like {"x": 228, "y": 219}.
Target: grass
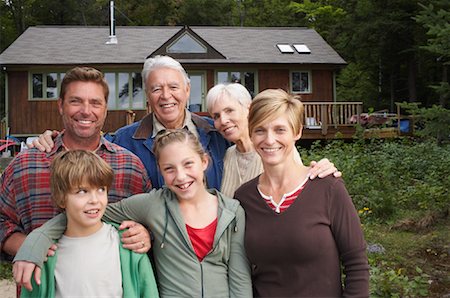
{"x": 405, "y": 250}
{"x": 5, "y": 271}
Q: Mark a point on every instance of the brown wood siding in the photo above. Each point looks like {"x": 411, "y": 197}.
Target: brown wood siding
{"x": 26, "y": 116}
{"x": 117, "y": 119}
{"x": 273, "y": 78}
{"x": 322, "y": 87}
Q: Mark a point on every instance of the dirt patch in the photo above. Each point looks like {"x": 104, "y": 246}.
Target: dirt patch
{"x": 7, "y": 288}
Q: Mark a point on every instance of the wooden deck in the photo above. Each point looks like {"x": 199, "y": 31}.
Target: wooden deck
{"x": 326, "y": 120}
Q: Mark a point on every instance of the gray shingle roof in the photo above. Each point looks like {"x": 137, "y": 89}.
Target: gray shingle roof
{"x": 53, "y": 45}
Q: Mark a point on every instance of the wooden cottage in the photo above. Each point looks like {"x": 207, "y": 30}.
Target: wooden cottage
{"x": 295, "y": 59}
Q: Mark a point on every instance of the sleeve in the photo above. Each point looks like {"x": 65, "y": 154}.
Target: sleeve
{"x": 347, "y": 232}
{"x": 136, "y": 208}
{"x": 34, "y": 248}
{"x": 9, "y": 221}
{"x": 146, "y": 183}
{"x": 239, "y": 268}
{"x": 147, "y": 279}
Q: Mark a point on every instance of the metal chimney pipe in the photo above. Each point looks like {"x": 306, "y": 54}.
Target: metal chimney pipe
{"x": 112, "y": 25}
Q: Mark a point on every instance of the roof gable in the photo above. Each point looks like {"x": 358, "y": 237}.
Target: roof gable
{"x": 186, "y": 44}
{"x": 70, "y": 45}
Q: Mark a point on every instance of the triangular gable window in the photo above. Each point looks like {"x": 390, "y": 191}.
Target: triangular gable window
{"x": 186, "y": 44}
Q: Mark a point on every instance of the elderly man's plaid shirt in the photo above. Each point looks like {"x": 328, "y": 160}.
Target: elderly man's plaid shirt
{"x": 25, "y": 202}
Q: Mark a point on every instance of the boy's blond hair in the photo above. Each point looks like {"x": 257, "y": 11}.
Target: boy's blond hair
{"x": 70, "y": 169}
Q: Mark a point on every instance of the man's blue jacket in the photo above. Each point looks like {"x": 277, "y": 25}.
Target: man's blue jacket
{"x": 137, "y": 138}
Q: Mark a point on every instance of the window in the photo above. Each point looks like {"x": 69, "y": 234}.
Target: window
{"x": 246, "y": 78}
{"x": 45, "y": 85}
{"x": 301, "y": 82}
{"x": 125, "y": 91}
{"x": 186, "y": 44}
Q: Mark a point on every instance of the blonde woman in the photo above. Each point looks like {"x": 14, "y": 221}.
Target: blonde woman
{"x": 228, "y": 105}
{"x": 299, "y": 232}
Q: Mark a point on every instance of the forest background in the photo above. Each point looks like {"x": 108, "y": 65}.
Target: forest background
{"x": 397, "y": 51}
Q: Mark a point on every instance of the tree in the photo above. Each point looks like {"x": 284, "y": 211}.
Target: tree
{"x": 435, "y": 19}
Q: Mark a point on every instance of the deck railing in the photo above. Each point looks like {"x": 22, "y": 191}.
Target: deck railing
{"x": 321, "y": 115}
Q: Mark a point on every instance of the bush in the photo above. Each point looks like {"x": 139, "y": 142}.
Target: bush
{"x": 390, "y": 176}
{"x": 388, "y": 282}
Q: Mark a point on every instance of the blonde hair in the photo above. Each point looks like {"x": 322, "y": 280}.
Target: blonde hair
{"x": 170, "y": 136}
{"x": 70, "y": 169}
{"x": 274, "y": 103}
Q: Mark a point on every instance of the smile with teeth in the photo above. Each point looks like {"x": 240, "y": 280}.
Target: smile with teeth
{"x": 228, "y": 129}
{"x": 269, "y": 150}
{"x": 167, "y": 105}
{"x": 93, "y": 211}
{"x": 185, "y": 185}
{"x": 85, "y": 121}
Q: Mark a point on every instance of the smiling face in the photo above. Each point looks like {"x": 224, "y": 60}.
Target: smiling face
{"x": 85, "y": 206}
{"x": 274, "y": 141}
{"x": 167, "y": 95}
{"x": 230, "y": 118}
{"x": 183, "y": 170}
{"x": 83, "y": 112}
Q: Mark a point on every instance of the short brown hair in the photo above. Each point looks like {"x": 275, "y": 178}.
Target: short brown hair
{"x": 84, "y": 74}
{"x": 70, "y": 169}
{"x": 273, "y": 103}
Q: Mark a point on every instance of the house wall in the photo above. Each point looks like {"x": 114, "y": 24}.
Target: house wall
{"x": 322, "y": 82}
{"x": 28, "y": 117}
{"x": 33, "y": 117}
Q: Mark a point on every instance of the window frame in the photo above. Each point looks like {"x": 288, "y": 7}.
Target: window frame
{"x": 117, "y": 106}
{"x": 242, "y": 75}
{"x": 44, "y": 73}
{"x": 291, "y": 81}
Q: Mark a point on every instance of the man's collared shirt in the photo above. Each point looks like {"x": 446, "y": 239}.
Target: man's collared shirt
{"x": 157, "y": 126}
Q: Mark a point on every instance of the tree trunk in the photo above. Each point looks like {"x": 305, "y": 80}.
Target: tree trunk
{"x": 412, "y": 79}
{"x": 443, "y": 97}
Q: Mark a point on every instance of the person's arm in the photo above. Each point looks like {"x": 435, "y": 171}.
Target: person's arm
{"x": 34, "y": 248}
{"x": 349, "y": 237}
{"x": 11, "y": 232}
{"x": 239, "y": 278}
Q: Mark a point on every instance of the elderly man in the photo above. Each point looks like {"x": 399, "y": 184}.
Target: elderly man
{"x": 167, "y": 88}
{"x": 25, "y": 202}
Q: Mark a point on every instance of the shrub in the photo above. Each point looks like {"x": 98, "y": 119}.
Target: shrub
{"x": 390, "y": 176}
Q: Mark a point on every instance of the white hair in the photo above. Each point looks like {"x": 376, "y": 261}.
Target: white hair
{"x": 159, "y": 61}
{"x": 233, "y": 91}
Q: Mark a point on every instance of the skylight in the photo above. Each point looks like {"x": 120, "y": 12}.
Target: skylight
{"x": 285, "y": 48}
{"x": 302, "y": 49}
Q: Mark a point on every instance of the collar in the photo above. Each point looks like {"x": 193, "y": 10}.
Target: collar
{"x": 59, "y": 145}
{"x": 158, "y": 126}
{"x": 145, "y": 127}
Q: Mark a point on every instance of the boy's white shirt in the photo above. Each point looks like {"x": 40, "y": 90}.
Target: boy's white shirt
{"x": 89, "y": 266}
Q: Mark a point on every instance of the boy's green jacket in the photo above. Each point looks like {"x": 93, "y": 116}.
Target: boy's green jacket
{"x": 138, "y": 279}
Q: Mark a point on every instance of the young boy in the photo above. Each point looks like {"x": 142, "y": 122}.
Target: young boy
{"x": 89, "y": 261}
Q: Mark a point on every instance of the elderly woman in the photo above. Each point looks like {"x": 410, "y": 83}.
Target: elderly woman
{"x": 228, "y": 105}
{"x": 299, "y": 232}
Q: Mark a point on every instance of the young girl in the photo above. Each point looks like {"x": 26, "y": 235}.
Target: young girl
{"x": 199, "y": 234}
